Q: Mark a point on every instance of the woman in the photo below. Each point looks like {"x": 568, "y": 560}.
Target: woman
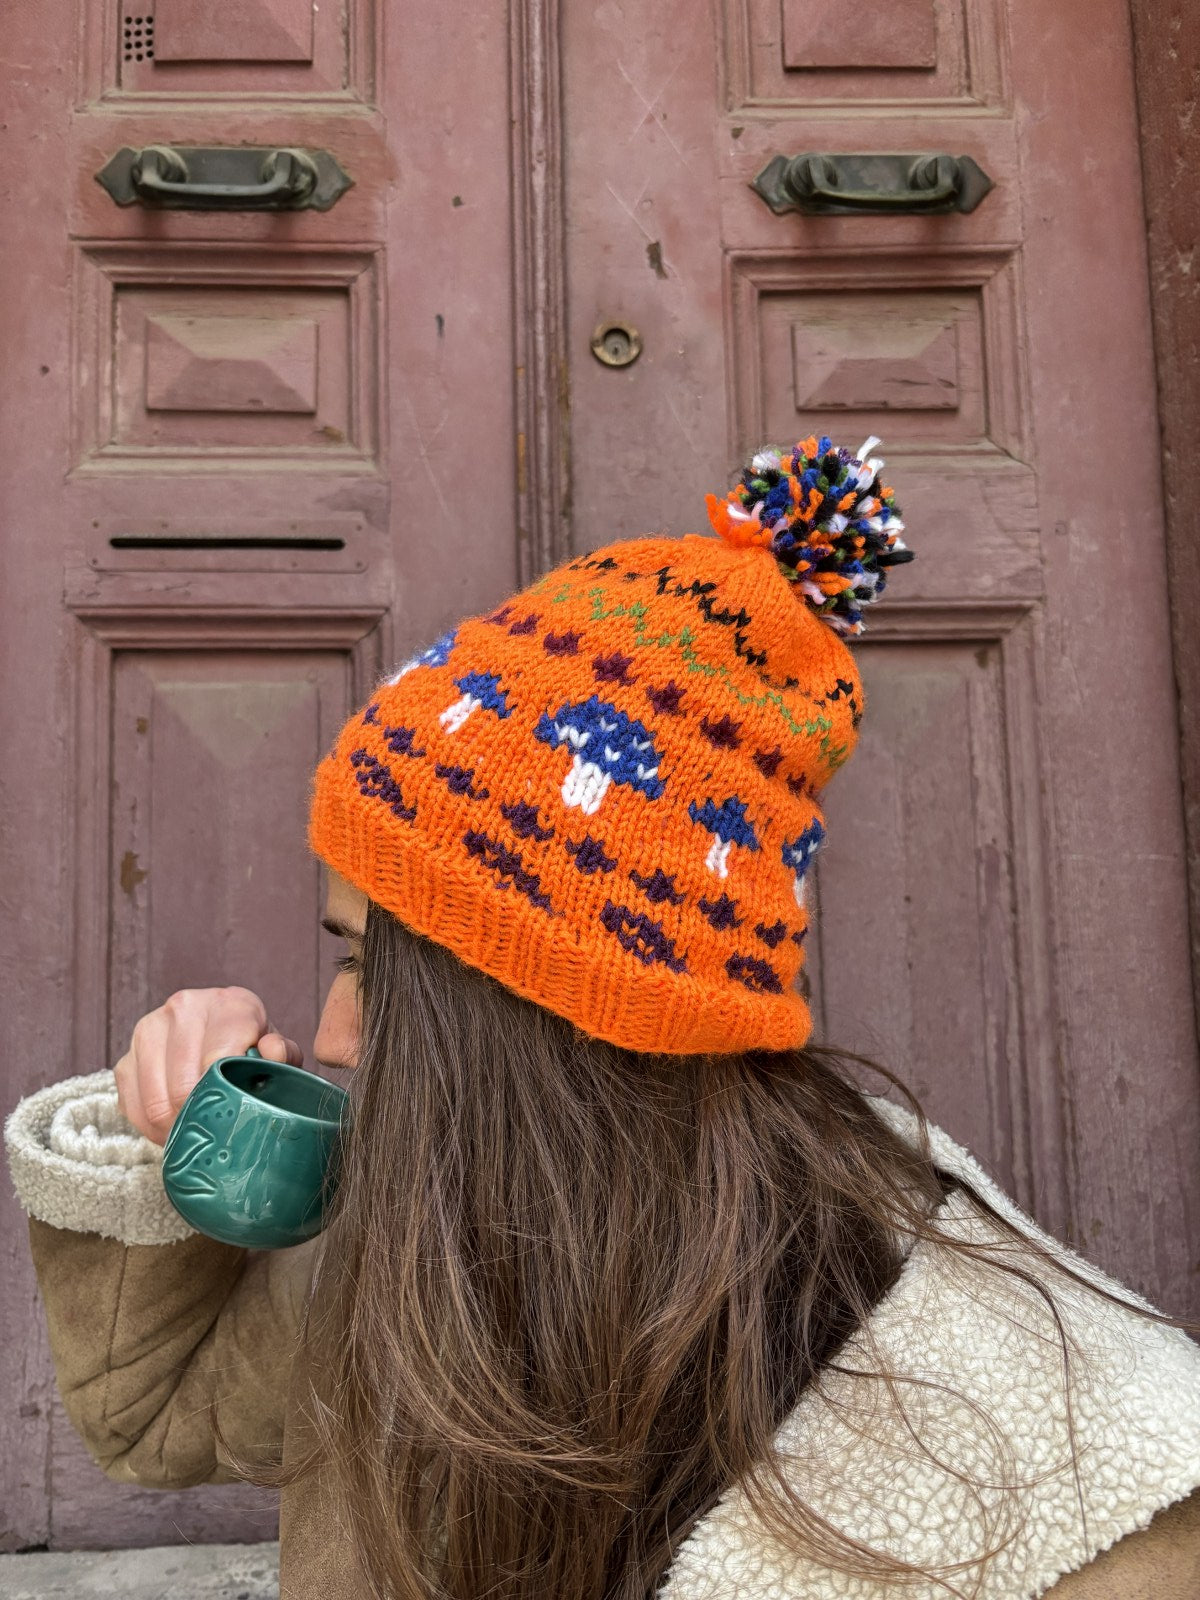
{"x": 627, "y": 1288}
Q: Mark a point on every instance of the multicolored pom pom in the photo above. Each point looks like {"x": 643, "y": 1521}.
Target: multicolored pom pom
{"x": 827, "y": 518}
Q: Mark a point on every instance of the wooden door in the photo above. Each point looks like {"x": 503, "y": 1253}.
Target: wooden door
{"x": 1001, "y": 911}
{"x": 249, "y": 458}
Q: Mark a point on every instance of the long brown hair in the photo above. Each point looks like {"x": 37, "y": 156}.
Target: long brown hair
{"x": 568, "y": 1293}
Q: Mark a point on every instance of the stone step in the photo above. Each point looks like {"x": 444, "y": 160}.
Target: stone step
{"x": 169, "y": 1572}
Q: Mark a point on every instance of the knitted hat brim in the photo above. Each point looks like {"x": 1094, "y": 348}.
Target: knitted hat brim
{"x": 629, "y": 1004}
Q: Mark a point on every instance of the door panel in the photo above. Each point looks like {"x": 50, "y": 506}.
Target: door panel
{"x": 281, "y": 46}
{"x": 819, "y": 53}
{"x": 902, "y": 35}
{"x": 212, "y": 749}
{"x": 936, "y": 892}
{"x": 222, "y": 366}
{"x": 1002, "y": 916}
{"x": 265, "y": 30}
{"x": 963, "y": 463}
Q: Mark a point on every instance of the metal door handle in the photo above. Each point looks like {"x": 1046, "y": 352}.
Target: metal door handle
{"x": 884, "y": 184}
{"x": 286, "y": 177}
{"x": 931, "y": 181}
{"x": 224, "y": 178}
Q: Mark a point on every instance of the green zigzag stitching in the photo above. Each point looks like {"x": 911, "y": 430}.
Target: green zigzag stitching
{"x": 686, "y": 640}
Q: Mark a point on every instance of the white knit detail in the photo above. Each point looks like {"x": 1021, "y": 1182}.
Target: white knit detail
{"x": 585, "y": 784}
{"x": 76, "y": 1163}
{"x": 453, "y": 717}
{"x": 1135, "y": 1393}
{"x": 717, "y": 859}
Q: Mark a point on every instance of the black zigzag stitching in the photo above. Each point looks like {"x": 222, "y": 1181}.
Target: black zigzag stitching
{"x": 842, "y": 687}
{"x": 739, "y": 620}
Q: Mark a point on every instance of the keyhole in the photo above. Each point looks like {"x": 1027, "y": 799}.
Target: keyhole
{"x": 616, "y": 344}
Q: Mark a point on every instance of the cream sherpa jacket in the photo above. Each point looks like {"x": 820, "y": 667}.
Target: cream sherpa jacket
{"x": 151, "y": 1323}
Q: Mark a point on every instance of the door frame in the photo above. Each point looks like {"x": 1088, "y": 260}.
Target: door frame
{"x": 1170, "y": 145}
{"x": 542, "y": 364}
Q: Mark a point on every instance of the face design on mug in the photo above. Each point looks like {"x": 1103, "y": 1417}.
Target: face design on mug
{"x": 336, "y": 1043}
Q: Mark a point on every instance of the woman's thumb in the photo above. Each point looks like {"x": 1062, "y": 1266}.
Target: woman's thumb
{"x": 276, "y": 1048}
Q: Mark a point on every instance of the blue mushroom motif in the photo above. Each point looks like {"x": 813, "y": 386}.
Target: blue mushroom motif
{"x": 436, "y": 656}
{"x": 609, "y": 747}
{"x": 728, "y": 825}
{"x": 477, "y": 691}
{"x": 798, "y": 855}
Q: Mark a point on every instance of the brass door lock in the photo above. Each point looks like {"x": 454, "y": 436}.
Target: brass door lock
{"x": 616, "y": 344}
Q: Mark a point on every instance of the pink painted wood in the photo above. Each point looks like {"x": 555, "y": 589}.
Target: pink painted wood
{"x": 242, "y": 438}
{"x": 1002, "y": 912}
{"x": 231, "y": 363}
{"x": 264, "y": 30}
{"x": 900, "y": 34}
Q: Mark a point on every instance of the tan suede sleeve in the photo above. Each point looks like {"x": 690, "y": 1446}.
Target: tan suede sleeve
{"x": 1162, "y": 1562}
{"x": 147, "y": 1338}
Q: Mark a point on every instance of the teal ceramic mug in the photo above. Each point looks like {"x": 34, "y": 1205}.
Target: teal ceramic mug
{"x": 250, "y": 1158}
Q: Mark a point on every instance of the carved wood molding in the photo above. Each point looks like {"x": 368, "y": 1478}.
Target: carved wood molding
{"x": 172, "y": 627}
{"x": 539, "y": 295}
{"x": 971, "y": 69}
{"x": 982, "y": 619}
{"x": 114, "y": 279}
{"x": 993, "y": 272}
{"x": 343, "y": 69}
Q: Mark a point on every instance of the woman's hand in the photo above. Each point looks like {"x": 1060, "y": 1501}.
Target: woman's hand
{"x": 173, "y": 1047}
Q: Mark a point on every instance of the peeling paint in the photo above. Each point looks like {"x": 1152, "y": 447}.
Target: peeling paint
{"x": 131, "y": 873}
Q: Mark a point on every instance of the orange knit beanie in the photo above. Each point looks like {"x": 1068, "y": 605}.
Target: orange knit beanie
{"x": 604, "y": 792}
